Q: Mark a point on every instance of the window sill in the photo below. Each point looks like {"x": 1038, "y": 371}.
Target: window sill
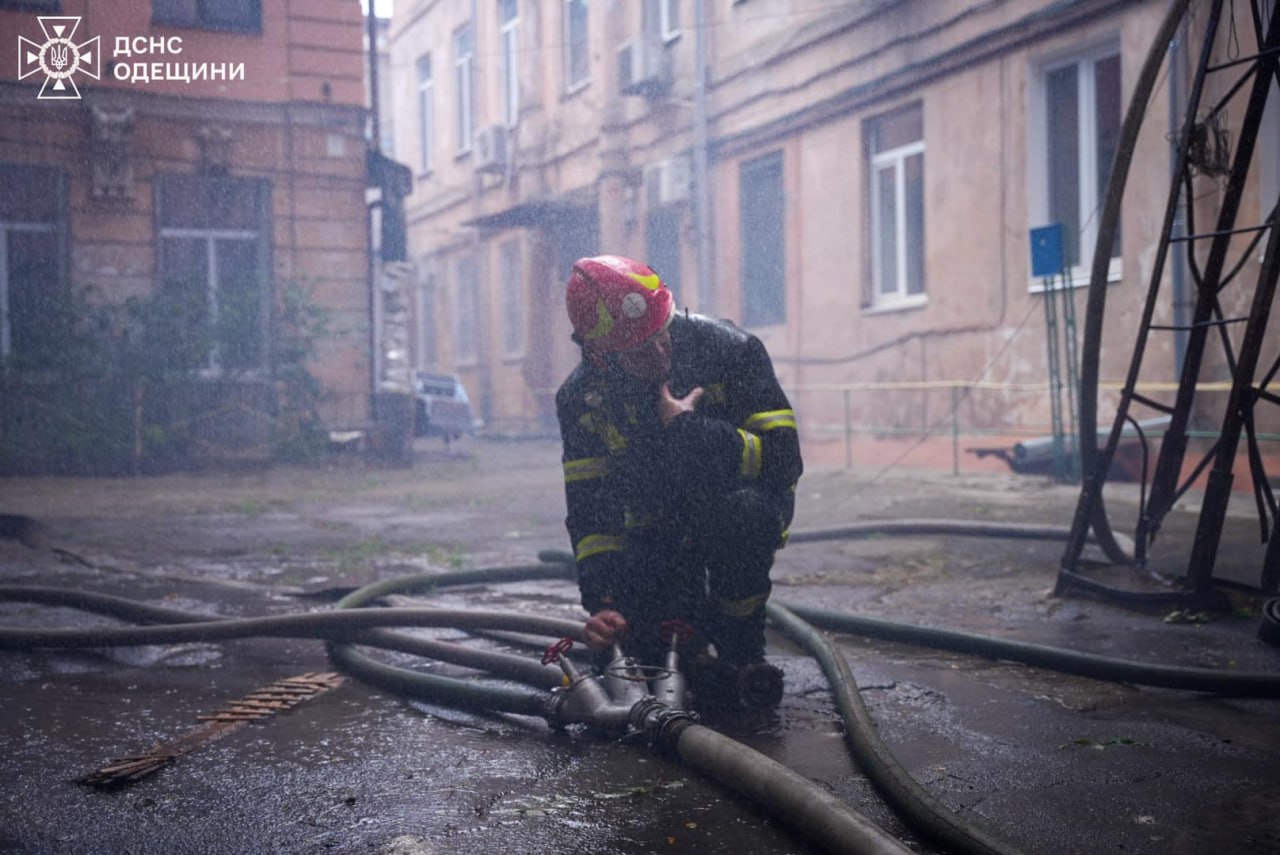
{"x": 1080, "y": 277}
{"x": 897, "y": 304}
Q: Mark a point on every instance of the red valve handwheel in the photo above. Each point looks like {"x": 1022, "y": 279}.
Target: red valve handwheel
{"x": 552, "y": 655}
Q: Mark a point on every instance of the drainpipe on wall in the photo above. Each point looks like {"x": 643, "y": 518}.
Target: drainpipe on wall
{"x": 702, "y": 193}
{"x": 373, "y": 203}
{"x": 483, "y": 361}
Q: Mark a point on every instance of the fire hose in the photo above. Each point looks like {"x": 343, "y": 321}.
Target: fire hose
{"x": 822, "y": 817}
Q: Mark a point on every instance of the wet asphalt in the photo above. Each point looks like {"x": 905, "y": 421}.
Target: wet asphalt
{"x": 1047, "y": 762}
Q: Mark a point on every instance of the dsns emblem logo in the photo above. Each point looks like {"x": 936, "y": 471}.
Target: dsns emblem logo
{"x": 59, "y": 57}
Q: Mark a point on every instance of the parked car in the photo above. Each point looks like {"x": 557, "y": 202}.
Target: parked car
{"x": 442, "y": 407}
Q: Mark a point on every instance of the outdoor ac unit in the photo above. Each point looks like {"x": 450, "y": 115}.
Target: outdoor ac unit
{"x": 644, "y": 68}
{"x": 489, "y": 150}
{"x": 667, "y": 181}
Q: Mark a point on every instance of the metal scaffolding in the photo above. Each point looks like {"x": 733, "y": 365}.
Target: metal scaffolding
{"x": 1215, "y": 256}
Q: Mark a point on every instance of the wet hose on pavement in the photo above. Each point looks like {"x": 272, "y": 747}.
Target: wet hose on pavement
{"x": 789, "y": 796}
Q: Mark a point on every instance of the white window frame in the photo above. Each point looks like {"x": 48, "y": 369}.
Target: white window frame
{"x": 1085, "y": 61}
{"x": 662, "y": 19}
{"x": 570, "y": 84}
{"x": 463, "y": 79}
{"x": 893, "y": 160}
{"x": 511, "y": 271}
{"x": 509, "y": 36}
{"x": 426, "y": 113}
{"x": 210, "y": 238}
{"x": 670, "y": 19}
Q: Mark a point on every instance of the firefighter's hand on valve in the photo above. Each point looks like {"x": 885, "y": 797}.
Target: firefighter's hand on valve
{"x": 604, "y": 628}
{"x": 669, "y": 406}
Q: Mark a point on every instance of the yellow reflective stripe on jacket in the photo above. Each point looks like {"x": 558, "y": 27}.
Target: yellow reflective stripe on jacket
{"x": 761, "y": 422}
{"x": 752, "y": 455}
{"x": 585, "y": 468}
{"x": 743, "y": 607}
{"x": 594, "y": 544}
{"x": 600, "y": 425}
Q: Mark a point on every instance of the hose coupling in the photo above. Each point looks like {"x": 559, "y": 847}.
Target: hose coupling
{"x": 661, "y": 724}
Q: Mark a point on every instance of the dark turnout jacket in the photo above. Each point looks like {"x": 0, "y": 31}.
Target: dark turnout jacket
{"x": 625, "y": 472}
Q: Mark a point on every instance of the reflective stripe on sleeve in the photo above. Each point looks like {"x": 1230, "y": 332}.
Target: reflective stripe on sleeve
{"x": 594, "y": 544}
{"x": 761, "y": 422}
{"x": 585, "y": 468}
{"x": 752, "y": 455}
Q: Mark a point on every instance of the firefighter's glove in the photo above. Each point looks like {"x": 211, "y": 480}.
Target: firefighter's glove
{"x": 669, "y": 406}
{"x": 604, "y": 628}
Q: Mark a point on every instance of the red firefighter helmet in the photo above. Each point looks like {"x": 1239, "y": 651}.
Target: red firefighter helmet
{"x": 616, "y": 303}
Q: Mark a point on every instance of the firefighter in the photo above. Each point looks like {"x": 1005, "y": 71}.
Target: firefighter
{"x": 680, "y": 462}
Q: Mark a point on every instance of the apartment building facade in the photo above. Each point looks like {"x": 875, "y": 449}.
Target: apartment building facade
{"x": 856, "y": 183}
{"x": 148, "y": 145}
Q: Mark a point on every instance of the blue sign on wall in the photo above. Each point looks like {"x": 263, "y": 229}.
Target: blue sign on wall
{"x": 1047, "y": 251}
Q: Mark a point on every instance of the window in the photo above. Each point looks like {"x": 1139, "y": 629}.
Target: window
{"x": 662, "y": 244}
{"x": 1269, "y": 141}
{"x": 466, "y": 323}
{"x": 212, "y": 259}
{"x": 238, "y": 15}
{"x": 509, "y": 33}
{"x": 428, "y": 354}
{"x": 896, "y": 145}
{"x": 462, "y": 57}
{"x": 577, "y": 66}
{"x": 662, "y": 19}
{"x": 513, "y": 299}
{"x": 762, "y": 210}
{"x": 426, "y": 118}
{"x": 1076, "y": 126}
{"x": 34, "y": 304}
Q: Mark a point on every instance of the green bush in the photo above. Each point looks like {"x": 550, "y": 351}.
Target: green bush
{"x": 107, "y": 388}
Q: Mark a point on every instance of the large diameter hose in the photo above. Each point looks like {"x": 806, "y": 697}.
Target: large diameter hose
{"x": 352, "y": 624}
{"x": 1253, "y": 684}
{"x": 464, "y": 693}
{"x": 960, "y": 528}
{"x": 826, "y": 820}
{"x": 920, "y": 809}
{"x": 822, "y": 817}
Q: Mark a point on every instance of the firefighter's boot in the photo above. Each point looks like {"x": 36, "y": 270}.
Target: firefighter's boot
{"x": 740, "y": 643}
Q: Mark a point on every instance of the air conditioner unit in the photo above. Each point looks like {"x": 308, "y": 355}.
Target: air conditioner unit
{"x": 644, "y": 68}
{"x": 667, "y": 181}
{"x": 489, "y": 149}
